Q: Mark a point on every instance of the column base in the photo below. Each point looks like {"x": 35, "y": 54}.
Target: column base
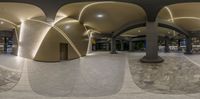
{"x": 188, "y": 53}
{"x": 113, "y": 52}
{"x": 151, "y": 60}
{"x": 167, "y": 51}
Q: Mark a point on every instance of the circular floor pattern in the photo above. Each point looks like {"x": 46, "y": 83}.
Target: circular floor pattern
{"x": 8, "y": 79}
{"x": 176, "y": 75}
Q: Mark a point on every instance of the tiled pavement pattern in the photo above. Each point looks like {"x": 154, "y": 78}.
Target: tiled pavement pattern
{"x": 176, "y": 75}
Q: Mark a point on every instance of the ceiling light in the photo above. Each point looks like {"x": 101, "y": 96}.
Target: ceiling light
{"x": 67, "y": 26}
{"x": 139, "y": 30}
{"x": 100, "y": 15}
{"x": 2, "y": 22}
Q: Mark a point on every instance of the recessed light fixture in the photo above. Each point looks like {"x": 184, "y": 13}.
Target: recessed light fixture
{"x": 1, "y": 22}
{"x": 100, "y": 15}
{"x": 67, "y": 26}
{"x": 139, "y": 30}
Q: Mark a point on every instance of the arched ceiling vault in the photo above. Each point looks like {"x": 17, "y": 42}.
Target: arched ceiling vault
{"x": 25, "y": 9}
{"x": 50, "y": 7}
{"x": 104, "y": 17}
{"x": 184, "y": 15}
{"x": 141, "y": 31}
{"x": 15, "y": 13}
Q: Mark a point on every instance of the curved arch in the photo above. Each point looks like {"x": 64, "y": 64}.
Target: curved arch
{"x": 172, "y": 27}
{"x": 143, "y": 24}
{"x": 128, "y": 27}
{"x": 188, "y": 17}
{"x": 61, "y": 32}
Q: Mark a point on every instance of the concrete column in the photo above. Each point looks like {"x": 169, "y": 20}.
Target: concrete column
{"x": 167, "y": 44}
{"x": 122, "y": 45}
{"x": 108, "y": 46}
{"x": 89, "y": 50}
{"x": 179, "y": 45}
{"x": 188, "y": 45}
{"x": 113, "y": 46}
{"x": 151, "y": 44}
{"x": 130, "y": 46}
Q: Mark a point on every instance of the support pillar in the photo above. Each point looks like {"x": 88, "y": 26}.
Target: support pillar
{"x": 152, "y": 44}
{"x": 113, "y": 46}
{"x": 167, "y": 44}
{"x": 122, "y": 45}
{"x": 179, "y": 45}
{"x": 188, "y": 45}
{"x": 89, "y": 50}
{"x": 108, "y": 46}
{"x": 130, "y": 46}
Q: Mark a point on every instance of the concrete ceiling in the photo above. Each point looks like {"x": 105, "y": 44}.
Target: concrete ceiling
{"x": 6, "y": 26}
{"x": 141, "y": 31}
{"x": 105, "y": 16}
{"x": 17, "y": 12}
{"x": 185, "y": 15}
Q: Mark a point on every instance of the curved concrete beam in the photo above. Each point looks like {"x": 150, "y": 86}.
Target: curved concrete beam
{"x": 195, "y": 34}
{"x": 51, "y": 7}
{"x": 163, "y": 24}
{"x": 129, "y": 26}
{"x": 172, "y": 26}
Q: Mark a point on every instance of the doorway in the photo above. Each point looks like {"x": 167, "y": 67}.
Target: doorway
{"x": 7, "y": 42}
{"x": 63, "y": 51}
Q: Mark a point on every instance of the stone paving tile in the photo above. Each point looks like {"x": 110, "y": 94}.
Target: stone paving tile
{"x": 8, "y": 79}
{"x": 176, "y": 75}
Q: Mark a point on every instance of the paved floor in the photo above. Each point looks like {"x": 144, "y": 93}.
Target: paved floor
{"x": 176, "y": 75}
{"x": 97, "y": 76}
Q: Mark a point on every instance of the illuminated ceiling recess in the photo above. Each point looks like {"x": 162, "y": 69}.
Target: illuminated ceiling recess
{"x": 60, "y": 31}
{"x": 92, "y": 4}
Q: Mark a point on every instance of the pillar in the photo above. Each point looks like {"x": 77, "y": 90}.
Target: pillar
{"x": 89, "y": 50}
{"x": 179, "y": 45}
{"x": 122, "y": 45}
{"x": 188, "y": 45}
{"x": 108, "y": 46}
{"x": 167, "y": 44}
{"x": 130, "y": 46}
{"x": 113, "y": 46}
{"x": 151, "y": 44}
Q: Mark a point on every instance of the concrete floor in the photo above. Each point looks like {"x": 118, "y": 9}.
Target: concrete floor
{"x": 176, "y": 75}
{"x": 97, "y": 76}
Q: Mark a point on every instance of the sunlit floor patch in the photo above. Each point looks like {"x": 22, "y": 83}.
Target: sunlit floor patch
{"x": 10, "y": 71}
{"x": 177, "y": 75}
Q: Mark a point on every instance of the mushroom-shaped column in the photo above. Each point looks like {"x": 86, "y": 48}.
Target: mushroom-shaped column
{"x": 152, "y": 44}
{"x": 188, "y": 45}
{"x": 113, "y": 45}
{"x": 167, "y": 39}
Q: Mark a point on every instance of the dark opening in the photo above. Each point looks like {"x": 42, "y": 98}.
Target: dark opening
{"x": 7, "y": 42}
{"x": 63, "y": 51}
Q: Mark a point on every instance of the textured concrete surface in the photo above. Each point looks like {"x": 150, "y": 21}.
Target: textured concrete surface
{"x": 129, "y": 90}
{"x": 10, "y": 71}
{"x": 81, "y": 77}
{"x": 176, "y": 75}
